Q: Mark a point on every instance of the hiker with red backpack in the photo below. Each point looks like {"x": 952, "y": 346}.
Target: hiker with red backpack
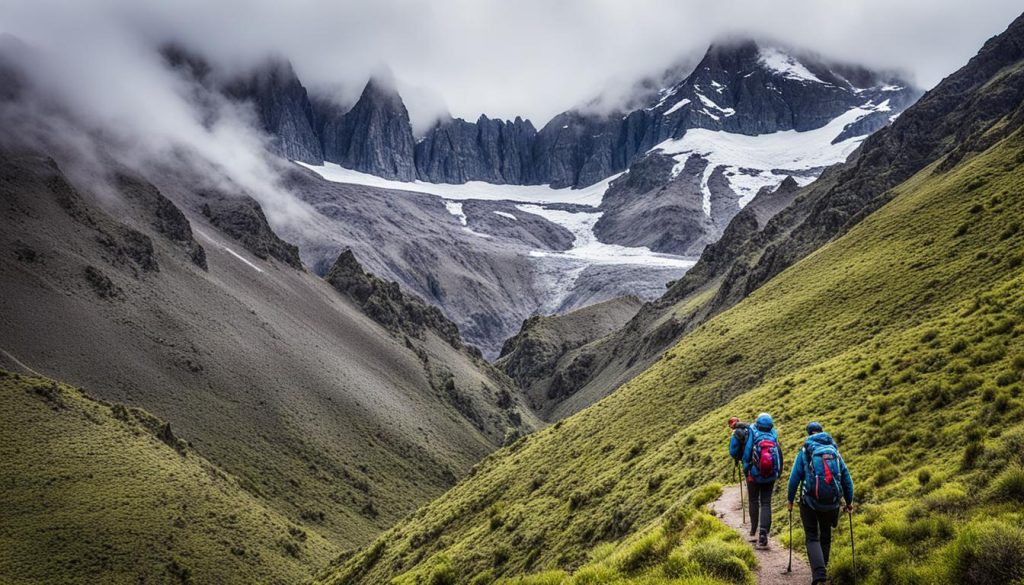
{"x": 826, "y": 485}
{"x": 762, "y": 466}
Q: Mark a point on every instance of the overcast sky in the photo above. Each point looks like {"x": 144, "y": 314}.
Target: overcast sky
{"x": 506, "y": 57}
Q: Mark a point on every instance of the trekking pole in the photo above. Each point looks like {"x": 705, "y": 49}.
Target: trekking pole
{"x": 789, "y": 567}
{"x": 743, "y": 505}
{"x": 853, "y": 550}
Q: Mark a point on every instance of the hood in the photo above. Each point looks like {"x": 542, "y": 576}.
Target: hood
{"x": 821, "y": 438}
{"x": 764, "y": 422}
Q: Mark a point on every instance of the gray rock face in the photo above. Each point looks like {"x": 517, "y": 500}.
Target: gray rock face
{"x": 648, "y": 207}
{"x": 284, "y": 110}
{"x": 496, "y": 151}
{"x": 375, "y": 136}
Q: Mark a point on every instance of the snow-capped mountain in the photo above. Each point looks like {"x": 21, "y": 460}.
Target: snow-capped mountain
{"x": 591, "y": 200}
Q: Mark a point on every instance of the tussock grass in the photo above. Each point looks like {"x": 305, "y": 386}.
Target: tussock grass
{"x": 101, "y": 493}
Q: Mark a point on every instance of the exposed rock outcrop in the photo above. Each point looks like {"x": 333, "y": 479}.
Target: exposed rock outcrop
{"x": 386, "y": 303}
{"x": 242, "y": 218}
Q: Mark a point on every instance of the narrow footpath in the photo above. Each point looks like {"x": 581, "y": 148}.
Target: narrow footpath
{"x": 773, "y": 561}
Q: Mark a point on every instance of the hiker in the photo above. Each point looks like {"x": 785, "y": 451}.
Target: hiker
{"x": 762, "y": 465}
{"x": 826, "y": 484}
{"x": 738, "y": 442}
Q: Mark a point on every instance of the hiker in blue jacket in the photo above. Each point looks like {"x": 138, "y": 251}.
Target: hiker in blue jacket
{"x": 762, "y": 466}
{"x": 826, "y": 485}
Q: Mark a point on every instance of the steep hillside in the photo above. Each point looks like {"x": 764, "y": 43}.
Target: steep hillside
{"x": 208, "y": 320}
{"x": 961, "y": 115}
{"x": 903, "y": 336}
{"x": 530, "y": 357}
{"x": 121, "y": 499}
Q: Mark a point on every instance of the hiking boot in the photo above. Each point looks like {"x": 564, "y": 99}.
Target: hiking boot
{"x": 762, "y": 539}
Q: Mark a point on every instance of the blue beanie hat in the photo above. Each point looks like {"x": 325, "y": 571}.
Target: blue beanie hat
{"x": 814, "y": 427}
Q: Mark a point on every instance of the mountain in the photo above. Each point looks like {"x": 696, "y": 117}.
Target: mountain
{"x": 901, "y": 333}
{"x": 663, "y": 178}
{"x": 169, "y": 295}
{"x": 757, "y": 246}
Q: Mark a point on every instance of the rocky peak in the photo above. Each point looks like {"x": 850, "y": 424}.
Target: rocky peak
{"x": 375, "y": 136}
{"x": 283, "y": 108}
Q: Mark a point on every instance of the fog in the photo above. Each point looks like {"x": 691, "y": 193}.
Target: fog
{"x": 97, "y": 63}
{"x": 533, "y": 58}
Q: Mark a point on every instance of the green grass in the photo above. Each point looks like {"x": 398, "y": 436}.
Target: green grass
{"x": 904, "y": 337}
{"x": 100, "y": 493}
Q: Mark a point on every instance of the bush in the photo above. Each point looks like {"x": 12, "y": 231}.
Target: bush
{"x": 990, "y": 551}
{"x": 443, "y": 574}
{"x": 924, "y": 476}
{"x": 646, "y": 552}
{"x": 972, "y": 452}
{"x": 1008, "y": 486}
{"x": 729, "y": 562}
{"x": 950, "y": 498}
{"x": 918, "y": 531}
{"x": 705, "y": 495}
{"x": 893, "y": 567}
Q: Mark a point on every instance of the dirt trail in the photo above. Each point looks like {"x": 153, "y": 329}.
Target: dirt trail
{"x": 772, "y": 569}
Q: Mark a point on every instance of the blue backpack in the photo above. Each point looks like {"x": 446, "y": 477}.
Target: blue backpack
{"x": 765, "y": 457}
{"x": 822, "y": 489}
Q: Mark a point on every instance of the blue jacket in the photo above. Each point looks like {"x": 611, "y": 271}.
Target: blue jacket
{"x": 763, "y": 424}
{"x": 735, "y": 446}
{"x": 796, "y": 477}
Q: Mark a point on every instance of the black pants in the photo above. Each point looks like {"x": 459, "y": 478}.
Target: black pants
{"x": 760, "y": 505}
{"x": 818, "y": 526}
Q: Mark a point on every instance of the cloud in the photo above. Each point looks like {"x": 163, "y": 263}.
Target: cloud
{"x": 529, "y": 57}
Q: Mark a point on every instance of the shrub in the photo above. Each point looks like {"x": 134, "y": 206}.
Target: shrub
{"x": 917, "y": 531}
{"x": 990, "y": 551}
{"x": 705, "y": 495}
{"x": 892, "y": 566}
{"x": 924, "y": 476}
{"x": 646, "y": 552}
{"x": 885, "y": 473}
{"x": 1008, "y": 486}
{"x": 1007, "y": 378}
{"x": 958, "y": 346}
{"x": 729, "y": 562}
{"x": 950, "y": 498}
{"x": 972, "y": 452}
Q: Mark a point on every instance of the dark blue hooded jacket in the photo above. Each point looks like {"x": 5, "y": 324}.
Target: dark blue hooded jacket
{"x": 796, "y": 477}
{"x": 763, "y": 424}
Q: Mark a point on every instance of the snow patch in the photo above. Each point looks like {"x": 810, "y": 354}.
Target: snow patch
{"x": 242, "y": 258}
{"x": 590, "y": 196}
{"x": 507, "y": 215}
{"x": 456, "y": 210}
{"x": 749, "y": 160}
{"x": 708, "y": 103}
{"x": 677, "y": 106}
{"x": 587, "y": 249}
{"x": 788, "y": 66}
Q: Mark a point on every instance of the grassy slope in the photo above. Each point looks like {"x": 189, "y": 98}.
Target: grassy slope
{"x": 903, "y": 337}
{"x": 92, "y": 495}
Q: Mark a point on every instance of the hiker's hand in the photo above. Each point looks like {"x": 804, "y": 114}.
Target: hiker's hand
{"x": 849, "y": 508}
{"x": 789, "y": 505}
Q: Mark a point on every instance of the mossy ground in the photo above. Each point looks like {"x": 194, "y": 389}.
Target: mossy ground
{"x": 904, "y": 337}
{"x": 100, "y": 493}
